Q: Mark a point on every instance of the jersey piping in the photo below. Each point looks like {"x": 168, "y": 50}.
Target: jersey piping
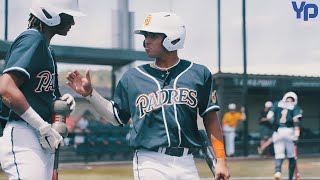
{"x": 297, "y": 116}
{"x": 17, "y": 69}
{"x": 54, "y": 71}
{"x": 175, "y": 106}
{"x": 115, "y": 112}
{"x": 163, "y": 112}
{"x": 215, "y": 107}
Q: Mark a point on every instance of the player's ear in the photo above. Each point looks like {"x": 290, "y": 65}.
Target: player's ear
{"x": 144, "y": 43}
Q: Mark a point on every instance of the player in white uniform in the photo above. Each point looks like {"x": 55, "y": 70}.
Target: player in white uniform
{"x": 285, "y": 115}
{"x": 28, "y": 87}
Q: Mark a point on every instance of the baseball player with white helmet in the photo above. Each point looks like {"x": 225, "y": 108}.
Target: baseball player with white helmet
{"x": 285, "y": 115}
{"x": 163, "y": 99}
{"x": 230, "y": 122}
{"x": 28, "y": 87}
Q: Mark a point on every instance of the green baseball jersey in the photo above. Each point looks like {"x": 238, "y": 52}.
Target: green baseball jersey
{"x": 285, "y": 112}
{"x": 164, "y": 105}
{"x": 31, "y": 55}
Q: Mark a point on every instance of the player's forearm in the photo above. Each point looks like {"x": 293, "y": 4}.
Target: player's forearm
{"x": 215, "y": 135}
{"x": 243, "y": 113}
{"x": 296, "y": 124}
{"x": 213, "y": 126}
{"x": 12, "y": 96}
{"x": 16, "y": 101}
{"x": 264, "y": 119}
{"x": 104, "y": 107}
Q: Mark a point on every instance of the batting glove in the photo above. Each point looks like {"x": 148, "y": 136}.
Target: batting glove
{"x": 70, "y": 101}
{"x": 50, "y": 138}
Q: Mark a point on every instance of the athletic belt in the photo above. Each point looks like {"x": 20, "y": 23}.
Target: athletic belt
{"x": 176, "y": 151}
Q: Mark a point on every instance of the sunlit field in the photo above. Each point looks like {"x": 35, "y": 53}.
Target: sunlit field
{"x": 252, "y": 168}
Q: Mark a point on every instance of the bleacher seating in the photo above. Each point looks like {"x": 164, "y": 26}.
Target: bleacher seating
{"x": 103, "y": 142}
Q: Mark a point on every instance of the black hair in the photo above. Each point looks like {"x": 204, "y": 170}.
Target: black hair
{"x": 35, "y": 23}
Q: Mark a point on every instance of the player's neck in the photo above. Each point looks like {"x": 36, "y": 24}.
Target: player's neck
{"x": 48, "y": 34}
{"x": 166, "y": 68}
{"x": 167, "y": 62}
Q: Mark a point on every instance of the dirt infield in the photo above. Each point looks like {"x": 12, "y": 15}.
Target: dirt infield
{"x": 241, "y": 168}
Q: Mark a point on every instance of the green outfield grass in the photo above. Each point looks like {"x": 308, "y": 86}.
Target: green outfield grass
{"x": 309, "y": 167}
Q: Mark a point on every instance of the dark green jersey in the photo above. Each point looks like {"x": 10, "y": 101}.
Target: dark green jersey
{"x": 284, "y": 113}
{"x": 31, "y": 55}
{"x": 164, "y": 105}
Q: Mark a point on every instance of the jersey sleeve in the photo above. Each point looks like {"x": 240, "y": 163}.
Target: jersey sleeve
{"x": 207, "y": 96}
{"x": 297, "y": 112}
{"x": 121, "y": 101}
{"x": 23, "y": 54}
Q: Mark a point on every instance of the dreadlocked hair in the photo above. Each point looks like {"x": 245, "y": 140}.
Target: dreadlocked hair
{"x": 35, "y": 23}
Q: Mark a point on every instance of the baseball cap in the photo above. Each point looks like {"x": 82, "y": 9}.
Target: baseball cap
{"x": 232, "y": 106}
{"x": 268, "y": 104}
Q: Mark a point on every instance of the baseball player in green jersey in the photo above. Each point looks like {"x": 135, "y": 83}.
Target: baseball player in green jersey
{"x": 162, "y": 99}
{"x": 285, "y": 115}
{"x": 28, "y": 87}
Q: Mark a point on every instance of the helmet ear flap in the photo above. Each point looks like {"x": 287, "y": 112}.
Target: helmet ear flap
{"x": 174, "y": 41}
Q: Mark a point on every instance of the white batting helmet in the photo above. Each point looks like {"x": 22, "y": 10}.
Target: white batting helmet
{"x": 48, "y": 10}
{"x": 292, "y": 95}
{"x": 167, "y": 23}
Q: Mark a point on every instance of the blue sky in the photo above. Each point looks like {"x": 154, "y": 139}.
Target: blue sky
{"x": 277, "y": 42}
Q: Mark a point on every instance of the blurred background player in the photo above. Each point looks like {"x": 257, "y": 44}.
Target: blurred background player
{"x": 285, "y": 115}
{"x": 28, "y": 87}
{"x": 230, "y": 122}
{"x": 266, "y": 129}
{"x": 163, "y": 99}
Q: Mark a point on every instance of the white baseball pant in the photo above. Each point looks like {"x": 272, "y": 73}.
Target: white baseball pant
{"x": 283, "y": 142}
{"x": 154, "y": 165}
{"x": 21, "y": 155}
{"x": 230, "y": 135}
